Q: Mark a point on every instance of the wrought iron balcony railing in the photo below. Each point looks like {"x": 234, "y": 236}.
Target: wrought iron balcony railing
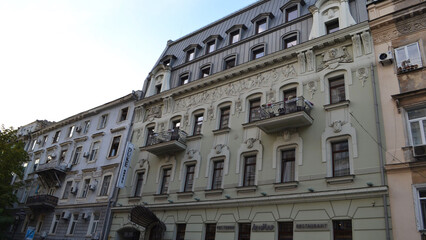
{"x": 166, "y": 136}
{"x": 285, "y": 107}
{"x": 41, "y": 201}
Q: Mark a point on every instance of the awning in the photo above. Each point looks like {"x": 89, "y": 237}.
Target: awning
{"x": 144, "y": 217}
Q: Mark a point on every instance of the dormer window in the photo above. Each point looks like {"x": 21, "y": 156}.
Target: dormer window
{"x": 184, "y": 79}
{"x": 261, "y": 22}
{"x": 211, "y": 43}
{"x": 191, "y": 52}
{"x": 211, "y": 46}
{"x": 235, "y": 32}
{"x": 158, "y": 89}
{"x": 168, "y": 60}
{"x": 290, "y": 40}
{"x": 291, "y": 13}
{"x": 230, "y": 62}
{"x": 291, "y": 9}
{"x": 205, "y": 71}
{"x": 257, "y": 52}
{"x": 332, "y": 26}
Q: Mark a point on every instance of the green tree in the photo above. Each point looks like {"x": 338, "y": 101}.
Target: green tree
{"x": 12, "y": 158}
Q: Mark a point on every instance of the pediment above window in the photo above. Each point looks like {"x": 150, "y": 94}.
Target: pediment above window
{"x": 262, "y": 15}
{"x": 236, "y": 27}
{"x": 212, "y": 37}
{"x": 192, "y": 46}
{"x": 292, "y": 2}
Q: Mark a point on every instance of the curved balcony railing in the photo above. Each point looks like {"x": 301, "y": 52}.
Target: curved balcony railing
{"x": 285, "y": 107}
{"x": 166, "y": 142}
{"x": 42, "y": 201}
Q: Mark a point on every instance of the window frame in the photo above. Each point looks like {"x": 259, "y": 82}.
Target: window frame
{"x": 209, "y": 45}
{"x": 163, "y": 188}
{"x": 149, "y": 133}
{"x": 104, "y": 190}
{"x": 247, "y": 181}
{"x": 190, "y": 55}
{"x": 288, "y": 37}
{"x": 85, "y": 188}
{"x": 184, "y": 79}
{"x": 335, "y": 223}
{"x": 291, "y": 9}
{"x": 55, "y": 224}
{"x": 214, "y": 171}
{"x": 331, "y": 88}
{"x": 233, "y": 34}
{"x": 71, "y": 131}
{"x": 399, "y": 62}
{"x": 114, "y": 146}
{"x": 258, "y": 50}
{"x": 259, "y": 23}
{"x": 67, "y": 189}
{"x": 180, "y": 231}
{"x": 333, "y": 152}
{"x": 330, "y": 26}
{"x": 189, "y": 177}
{"x": 197, "y": 123}
{"x": 203, "y": 68}
{"x": 77, "y": 154}
{"x": 223, "y": 115}
{"x": 96, "y": 153}
{"x": 283, "y": 234}
{"x": 241, "y": 233}
{"x": 421, "y": 123}
{"x": 86, "y": 126}
{"x": 420, "y": 213}
{"x": 210, "y": 232}
{"x": 227, "y": 60}
{"x": 252, "y": 108}
{"x": 103, "y": 120}
{"x": 283, "y": 166}
{"x": 56, "y": 136}
{"x": 137, "y": 191}
{"x": 72, "y": 224}
{"x": 122, "y": 111}
{"x": 93, "y": 224}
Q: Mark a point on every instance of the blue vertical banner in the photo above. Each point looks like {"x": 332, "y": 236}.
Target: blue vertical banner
{"x": 125, "y": 165}
{"x": 30, "y": 233}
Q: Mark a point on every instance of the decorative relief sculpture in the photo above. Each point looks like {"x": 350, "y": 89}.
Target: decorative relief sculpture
{"x": 302, "y": 62}
{"x": 250, "y": 142}
{"x": 361, "y": 73}
{"x": 153, "y": 112}
{"x": 337, "y": 126}
{"x": 161, "y": 127}
{"x": 366, "y": 40}
{"x": 138, "y": 134}
{"x": 238, "y": 106}
{"x": 287, "y": 135}
{"x": 334, "y": 56}
{"x": 218, "y": 148}
{"x": 356, "y": 42}
{"x": 330, "y": 13}
{"x": 312, "y": 88}
{"x": 270, "y": 96}
{"x": 191, "y": 153}
{"x": 168, "y": 104}
{"x": 289, "y": 72}
{"x": 310, "y": 60}
{"x": 402, "y": 28}
{"x": 210, "y": 113}
{"x": 185, "y": 119}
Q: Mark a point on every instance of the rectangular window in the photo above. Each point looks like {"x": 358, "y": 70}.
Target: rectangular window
{"x": 56, "y": 137}
{"x": 198, "y": 123}
{"x": 190, "y": 55}
{"x": 165, "y": 181}
{"x": 105, "y": 186}
{"x": 71, "y": 131}
{"x": 149, "y": 136}
{"x": 180, "y": 231}
{"x": 67, "y": 190}
{"x": 44, "y": 141}
{"x": 184, "y": 79}
{"x": 39, "y": 223}
{"x": 254, "y": 110}
{"x": 285, "y": 231}
{"x": 86, "y": 126}
{"x": 33, "y": 144}
{"x": 244, "y": 230}
{"x": 230, "y": 63}
{"x": 217, "y": 174}
{"x": 93, "y": 226}
{"x": 332, "y": 26}
{"x": 189, "y": 178}
{"x": 85, "y": 189}
{"x": 290, "y": 41}
{"x": 342, "y": 229}
{"x": 36, "y": 162}
{"x": 157, "y": 89}
{"x": 258, "y": 53}
{"x": 291, "y": 13}
{"x": 55, "y": 223}
{"x": 205, "y": 72}
{"x": 114, "y": 146}
{"x": 103, "y": 121}
{"x": 123, "y": 114}
{"x": 77, "y": 154}
{"x": 420, "y": 199}
{"x": 234, "y": 36}
{"x": 224, "y": 117}
{"x": 408, "y": 56}
{"x": 261, "y": 26}
{"x": 138, "y": 185}
{"x": 417, "y": 122}
{"x": 63, "y": 155}
{"x": 288, "y": 165}
{"x": 249, "y": 170}
{"x": 73, "y": 223}
{"x": 289, "y": 94}
{"x": 210, "y": 46}
{"x": 340, "y": 157}
{"x": 210, "y": 231}
{"x": 94, "y": 152}
{"x": 337, "y": 90}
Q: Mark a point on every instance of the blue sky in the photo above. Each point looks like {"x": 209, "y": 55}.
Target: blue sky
{"x": 62, "y": 57}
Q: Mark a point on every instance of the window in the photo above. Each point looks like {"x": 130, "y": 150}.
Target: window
{"x": 417, "y": 123}
{"x": 71, "y": 131}
{"x": 290, "y": 41}
{"x": 114, "y": 146}
{"x": 55, "y": 223}
{"x": 56, "y": 137}
{"x": 337, "y": 90}
{"x": 190, "y": 55}
{"x": 157, "y": 89}
{"x": 85, "y": 190}
{"x": 224, "y": 117}
{"x": 289, "y": 94}
{"x": 77, "y": 154}
{"x": 261, "y": 26}
{"x": 166, "y": 62}
{"x": 165, "y": 181}
{"x": 103, "y": 121}
{"x": 244, "y": 231}
{"x": 63, "y": 155}
{"x": 149, "y": 136}
{"x": 340, "y": 158}
{"x": 123, "y": 114}
{"x": 217, "y": 174}
{"x": 205, "y": 72}
{"x": 420, "y": 206}
{"x": 33, "y": 144}
{"x": 249, "y": 170}
{"x": 36, "y": 162}
{"x": 342, "y": 229}
{"x": 254, "y": 110}
{"x": 198, "y": 123}
{"x": 72, "y": 224}
{"x": 93, "y": 225}
{"x": 288, "y": 165}
{"x": 257, "y": 52}
{"x": 105, "y": 186}
{"x": 210, "y": 231}
{"x": 408, "y": 57}
{"x": 234, "y": 36}
{"x": 184, "y": 79}
{"x": 332, "y": 26}
{"x": 67, "y": 190}
{"x": 291, "y": 13}
{"x": 39, "y": 223}
{"x": 86, "y": 126}
{"x": 210, "y": 46}
{"x": 189, "y": 178}
{"x": 44, "y": 141}
{"x": 285, "y": 231}
{"x": 176, "y": 124}
{"x": 230, "y": 62}
{"x": 180, "y": 232}
{"x": 94, "y": 152}
{"x": 138, "y": 184}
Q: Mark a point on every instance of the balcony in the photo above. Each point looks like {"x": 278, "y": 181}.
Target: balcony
{"x": 51, "y": 173}
{"x": 42, "y": 202}
{"x": 279, "y": 116}
{"x": 166, "y": 143}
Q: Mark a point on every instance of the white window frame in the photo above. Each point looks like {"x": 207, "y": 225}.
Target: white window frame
{"x": 212, "y": 163}
{"x": 109, "y": 185}
{"x": 54, "y": 221}
{"x": 84, "y": 189}
{"x": 39, "y": 224}
{"x": 118, "y": 147}
{"x": 242, "y": 168}
{"x": 420, "y": 121}
{"x": 89, "y": 160}
{"x": 143, "y": 172}
{"x": 199, "y": 113}
{"x": 103, "y": 120}
{"x": 76, "y": 156}
{"x": 86, "y": 126}
{"x": 417, "y": 206}
{"x": 121, "y": 113}
{"x": 185, "y": 172}
{"x": 65, "y": 190}
{"x": 413, "y": 61}
{"x": 71, "y": 131}
{"x": 93, "y": 222}
{"x": 331, "y": 140}
{"x": 279, "y": 162}
{"x": 74, "y": 221}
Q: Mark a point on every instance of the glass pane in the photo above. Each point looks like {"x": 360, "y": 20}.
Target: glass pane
{"x": 415, "y": 133}
{"x": 400, "y": 55}
{"x": 414, "y": 54}
{"x": 417, "y": 113}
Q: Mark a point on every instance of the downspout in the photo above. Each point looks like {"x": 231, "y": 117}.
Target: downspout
{"x": 381, "y": 157}
{"x": 107, "y": 223}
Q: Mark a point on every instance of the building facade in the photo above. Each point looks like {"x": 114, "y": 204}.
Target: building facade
{"x": 70, "y": 180}
{"x": 399, "y": 34}
{"x": 261, "y": 125}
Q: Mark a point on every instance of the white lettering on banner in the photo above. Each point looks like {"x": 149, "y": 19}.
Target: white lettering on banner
{"x": 125, "y": 165}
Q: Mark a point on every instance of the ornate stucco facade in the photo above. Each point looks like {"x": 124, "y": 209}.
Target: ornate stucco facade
{"x": 277, "y": 138}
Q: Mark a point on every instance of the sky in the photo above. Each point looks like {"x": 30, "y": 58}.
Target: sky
{"x": 62, "y": 57}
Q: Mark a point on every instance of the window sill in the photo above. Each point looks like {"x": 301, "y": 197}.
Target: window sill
{"x": 340, "y": 180}
{"x": 249, "y": 124}
{"x": 213, "y": 192}
{"x": 286, "y": 185}
{"x": 342, "y": 104}
{"x": 246, "y": 189}
{"x": 399, "y": 72}
{"x": 134, "y": 198}
{"x": 161, "y": 196}
{"x": 114, "y": 130}
{"x": 102, "y": 198}
{"x": 185, "y": 194}
{"x": 80, "y": 139}
{"x": 194, "y": 137}
{"x": 98, "y": 134}
{"x": 221, "y": 131}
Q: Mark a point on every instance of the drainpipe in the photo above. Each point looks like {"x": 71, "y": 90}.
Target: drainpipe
{"x": 113, "y": 199}
{"x": 381, "y": 157}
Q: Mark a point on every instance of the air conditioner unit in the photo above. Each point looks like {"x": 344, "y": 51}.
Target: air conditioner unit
{"x": 419, "y": 151}
{"x": 66, "y": 215}
{"x": 85, "y": 215}
{"x": 78, "y": 129}
{"x": 386, "y": 58}
{"x": 92, "y": 187}
{"x": 74, "y": 190}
